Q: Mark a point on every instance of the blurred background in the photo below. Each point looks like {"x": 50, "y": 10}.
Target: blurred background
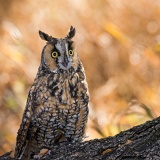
{"x": 117, "y": 41}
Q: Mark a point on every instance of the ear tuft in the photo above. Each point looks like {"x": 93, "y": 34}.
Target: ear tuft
{"x": 45, "y": 36}
{"x": 71, "y": 33}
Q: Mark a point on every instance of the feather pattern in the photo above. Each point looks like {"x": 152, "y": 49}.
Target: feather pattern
{"x": 57, "y": 105}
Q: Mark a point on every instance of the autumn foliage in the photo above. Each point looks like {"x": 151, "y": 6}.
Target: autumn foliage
{"x": 118, "y": 43}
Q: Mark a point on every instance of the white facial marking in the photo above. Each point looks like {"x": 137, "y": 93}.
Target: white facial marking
{"x": 59, "y": 47}
{"x": 62, "y": 47}
{"x": 66, "y": 45}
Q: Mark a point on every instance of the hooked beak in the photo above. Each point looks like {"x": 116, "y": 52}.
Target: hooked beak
{"x": 65, "y": 62}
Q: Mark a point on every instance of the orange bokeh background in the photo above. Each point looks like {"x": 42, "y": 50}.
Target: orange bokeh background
{"x": 118, "y": 43}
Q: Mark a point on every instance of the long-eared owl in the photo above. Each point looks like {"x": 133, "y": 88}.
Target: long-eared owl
{"x": 57, "y": 104}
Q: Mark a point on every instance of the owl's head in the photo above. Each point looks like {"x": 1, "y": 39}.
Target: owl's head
{"x": 59, "y": 53}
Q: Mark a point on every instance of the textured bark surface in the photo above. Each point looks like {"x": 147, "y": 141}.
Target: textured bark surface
{"x": 138, "y": 143}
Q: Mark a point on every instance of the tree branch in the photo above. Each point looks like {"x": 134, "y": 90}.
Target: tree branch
{"x": 137, "y": 143}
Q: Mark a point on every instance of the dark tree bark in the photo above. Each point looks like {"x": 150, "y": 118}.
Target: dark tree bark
{"x": 138, "y": 143}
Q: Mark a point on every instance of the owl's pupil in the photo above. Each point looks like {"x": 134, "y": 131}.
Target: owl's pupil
{"x": 54, "y": 54}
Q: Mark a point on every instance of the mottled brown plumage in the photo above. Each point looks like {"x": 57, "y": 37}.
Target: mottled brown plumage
{"x": 57, "y": 105}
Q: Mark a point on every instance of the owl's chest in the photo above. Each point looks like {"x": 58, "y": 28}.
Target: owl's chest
{"x": 61, "y": 94}
{"x": 54, "y": 111}
{"x": 61, "y": 106}
{"x": 56, "y": 103}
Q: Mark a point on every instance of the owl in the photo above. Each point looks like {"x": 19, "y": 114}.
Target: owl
{"x": 57, "y": 105}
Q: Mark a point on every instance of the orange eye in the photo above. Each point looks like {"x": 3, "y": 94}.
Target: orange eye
{"x": 54, "y": 54}
{"x": 71, "y": 52}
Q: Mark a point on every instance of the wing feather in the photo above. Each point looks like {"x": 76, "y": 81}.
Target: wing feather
{"x": 22, "y": 135}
